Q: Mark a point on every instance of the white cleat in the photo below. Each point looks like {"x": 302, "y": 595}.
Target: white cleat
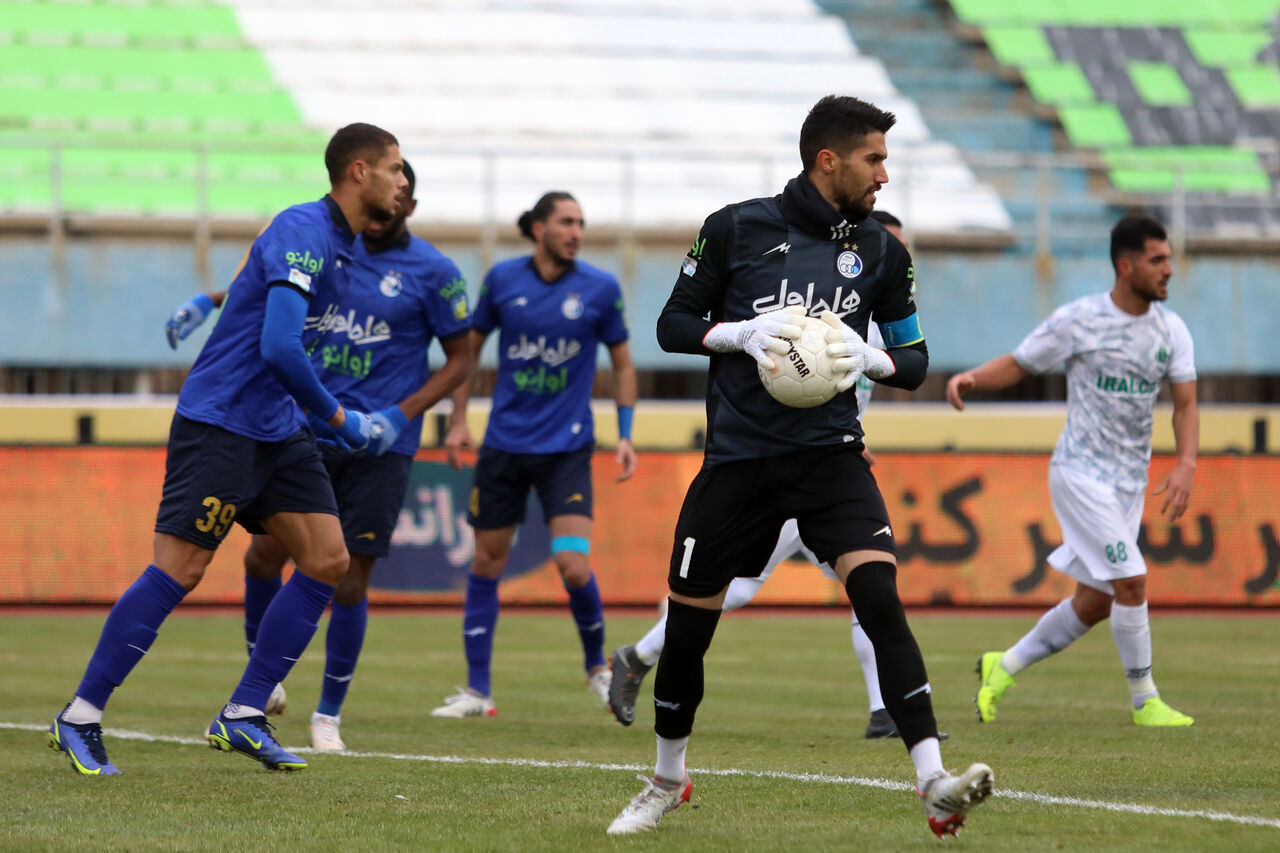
{"x": 324, "y": 733}
{"x": 466, "y": 703}
{"x": 657, "y": 798}
{"x": 947, "y": 799}
{"x": 599, "y": 680}
{"x": 276, "y": 702}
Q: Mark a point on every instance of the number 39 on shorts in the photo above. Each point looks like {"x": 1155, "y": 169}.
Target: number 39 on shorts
{"x": 220, "y": 515}
{"x": 1116, "y": 553}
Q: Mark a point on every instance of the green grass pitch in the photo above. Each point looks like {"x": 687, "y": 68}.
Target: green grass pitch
{"x": 777, "y": 756}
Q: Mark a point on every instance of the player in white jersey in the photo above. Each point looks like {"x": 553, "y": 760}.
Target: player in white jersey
{"x": 630, "y": 664}
{"x": 1118, "y": 348}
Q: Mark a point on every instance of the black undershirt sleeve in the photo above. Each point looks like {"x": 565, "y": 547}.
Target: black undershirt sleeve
{"x": 699, "y": 291}
{"x": 912, "y": 363}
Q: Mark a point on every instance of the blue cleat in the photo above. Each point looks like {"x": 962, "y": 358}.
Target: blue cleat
{"x": 82, "y": 742}
{"x": 252, "y": 736}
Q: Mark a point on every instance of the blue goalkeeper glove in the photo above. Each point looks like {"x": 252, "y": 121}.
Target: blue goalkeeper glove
{"x": 187, "y": 318}
{"x": 325, "y": 434}
{"x": 359, "y": 431}
{"x": 393, "y": 422}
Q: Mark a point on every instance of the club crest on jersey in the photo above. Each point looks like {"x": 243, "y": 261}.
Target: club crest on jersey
{"x": 391, "y": 284}
{"x": 572, "y": 307}
{"x": 1162, "y": 355}
{"x": 849, "y": 265}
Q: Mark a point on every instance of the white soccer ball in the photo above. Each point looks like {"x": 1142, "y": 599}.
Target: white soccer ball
{"x": 804, "y": 377}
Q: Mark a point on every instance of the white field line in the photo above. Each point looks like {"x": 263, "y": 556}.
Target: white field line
{"x": 820, "y": 778}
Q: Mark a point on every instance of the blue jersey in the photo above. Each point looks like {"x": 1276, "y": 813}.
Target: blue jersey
{"x": 307, "y": 247}
{"x": 372, "y": 351}
{"x": 547, "y": 348}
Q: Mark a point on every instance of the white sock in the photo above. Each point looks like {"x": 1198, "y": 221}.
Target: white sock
{"x": 80, "y": 712}
{"x": 927, "y": 757}
{"x": 670, "y": 766}
{"x": 1056, "y": 630}
{"x": 239, "y": 712}
{"x": 1131, "y": 628}
{"x": 740, "y": 591}
{"x": 867, "y": 657}
{"x": 649, "y": 649}
{"x": 317, "y": 716}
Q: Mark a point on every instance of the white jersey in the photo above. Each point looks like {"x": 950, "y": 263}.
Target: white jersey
{"x": 1115, "y": 363}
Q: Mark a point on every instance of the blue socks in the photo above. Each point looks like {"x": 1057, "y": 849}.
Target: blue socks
{"x": 342, "y": 648}
{"x": 130, "y": 630}
{"x": 258, "y": 595}
{"x": 287, "y": 628}
{"x": 480, "y": 617}
{"x": 588, "y": 613}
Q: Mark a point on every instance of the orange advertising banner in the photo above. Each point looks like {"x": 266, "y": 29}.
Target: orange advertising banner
{"x": 972, "y": 529}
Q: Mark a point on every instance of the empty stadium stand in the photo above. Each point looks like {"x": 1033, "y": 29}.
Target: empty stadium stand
{"x": 1177, "y": 97}
{"x": 654, "y": 112}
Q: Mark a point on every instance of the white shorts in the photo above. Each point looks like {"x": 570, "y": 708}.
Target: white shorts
{"x": 1099, "y": 529}
{"x": 788, "y": 544}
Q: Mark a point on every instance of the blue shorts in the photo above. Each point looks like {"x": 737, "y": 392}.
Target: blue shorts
{"x": 370, "y": 492}
{"x": 214, "y": 478}
{"x": 502, "y": 483}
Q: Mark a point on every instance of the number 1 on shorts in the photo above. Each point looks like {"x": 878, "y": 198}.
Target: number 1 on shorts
{"x": 688, "y": 555}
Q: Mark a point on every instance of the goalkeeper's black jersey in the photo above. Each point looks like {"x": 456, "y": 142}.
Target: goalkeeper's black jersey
{"x": 765, "y": 254}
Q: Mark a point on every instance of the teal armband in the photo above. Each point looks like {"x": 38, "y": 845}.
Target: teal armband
{"x": 626, "y": 415}
{"x": 902, "y": 333}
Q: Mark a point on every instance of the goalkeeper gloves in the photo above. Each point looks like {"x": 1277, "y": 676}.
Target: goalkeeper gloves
{"x": 862, "y": 358}
{"x": 186, "y": 319}
{"x": 393, "y": 422}
{"x": 758, "y": 336}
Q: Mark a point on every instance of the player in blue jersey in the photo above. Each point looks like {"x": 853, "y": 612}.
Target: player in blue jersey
{"x": 554, "y": 312}
{"x": 237, "y": 454}
{"x": 373, "y": 356}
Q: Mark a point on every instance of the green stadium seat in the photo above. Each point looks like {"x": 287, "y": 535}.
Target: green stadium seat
{"x": 1019, "y": 46}
{"x": 123, "y": 21}
{"x": 24, "y": 178}
{"x": 1059, "y": 85}
{"x": 1203, "y": 168}
{"x": 1095, "y": 126}
{"x": 1226, "y": 48}
{"x": 1256, "y": 87}
{"x": 1160, "y": 84}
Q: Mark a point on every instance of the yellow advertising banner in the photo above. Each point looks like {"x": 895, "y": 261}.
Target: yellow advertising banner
{"x": 973, "y": 529}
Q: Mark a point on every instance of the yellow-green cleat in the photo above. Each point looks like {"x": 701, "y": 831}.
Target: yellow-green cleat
{"x": 1154, "y": 712}
{"x": 993, "y": 681}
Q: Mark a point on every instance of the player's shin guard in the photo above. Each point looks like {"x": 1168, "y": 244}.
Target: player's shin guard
{"x": 287, "y": 627}
{"x": 342, "y": 644}
{"x": 588, "y": 614}
{"x": 677, "y": 686}
{"x": 130, "y": 630}
{"x": 873, "y": 591}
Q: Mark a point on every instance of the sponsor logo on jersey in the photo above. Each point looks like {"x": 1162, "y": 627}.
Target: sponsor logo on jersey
{"x": 841, "y": 304}
{"x": 1126, "y": 384}
{"x": 572, "y": 307}
{"x": 527, "y": 350}
{"x": 391, "y": 284}
{"x": 303, "y": 261}
{"x": 346, "y": 361}
{"x": 689, "y": 265}
{"x": 371, "y": 331}
{"x": 849, "y": 265}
